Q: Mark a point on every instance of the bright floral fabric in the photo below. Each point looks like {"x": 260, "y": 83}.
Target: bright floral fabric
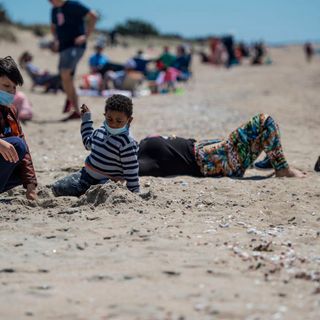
{"x": 231, "y": 157}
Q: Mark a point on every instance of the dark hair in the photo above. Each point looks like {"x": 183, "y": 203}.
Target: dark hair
{"x": 120, "y": 103}
{"x": 9, "y": 68}
{"x": 25, "y": 57}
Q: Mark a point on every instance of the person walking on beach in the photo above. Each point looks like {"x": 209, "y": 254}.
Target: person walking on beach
{"x": 71, "y": 25}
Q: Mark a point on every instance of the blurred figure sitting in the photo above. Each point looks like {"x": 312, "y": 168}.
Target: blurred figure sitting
{"x": 141, "y": 62}
{"x": 23, "y": 106}
{"x": 244, "y": 50}
{"x": 98, "y": 59}
{"x": 258, "y": 53}
{"x": 127, "y": 79}
{"x": 39, "y": 78}
{"x": 219, "y": 54}
{"x": 182, "y": 63}
{"x": 167, "y": 58}
{"x": 94, "y": 80}
{"x": 165, "y": 80}
{"x": 229, "y": 45}
{"x": 308, "y": 51}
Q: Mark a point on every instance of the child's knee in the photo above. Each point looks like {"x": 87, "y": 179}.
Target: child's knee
{"x": 19, "y": 145}
{"x": 71, "y": 185}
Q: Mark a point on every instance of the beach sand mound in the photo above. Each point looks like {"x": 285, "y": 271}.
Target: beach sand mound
{"x": 108, "y": 194}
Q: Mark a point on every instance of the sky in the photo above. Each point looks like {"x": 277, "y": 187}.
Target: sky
{"x": 274, "y": 21}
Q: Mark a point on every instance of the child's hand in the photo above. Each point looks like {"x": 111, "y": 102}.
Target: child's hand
{"x": 31, "y": 192}
{"x": 8, "y": 151}
{"x": 84, "y": 109}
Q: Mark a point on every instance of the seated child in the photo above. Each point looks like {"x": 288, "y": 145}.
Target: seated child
{"x": 166, "y": 80}
{"x": 23, "y": 106}
{"x": 16, "y": 166}
{"x": 113, "y": 151}
{"x": 98, "y": 59}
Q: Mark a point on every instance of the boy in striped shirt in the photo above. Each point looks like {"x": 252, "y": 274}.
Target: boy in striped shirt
{"x": 113, "y": 151}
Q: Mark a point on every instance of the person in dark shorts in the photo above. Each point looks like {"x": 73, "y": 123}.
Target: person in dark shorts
{"x": 71, "y": 25}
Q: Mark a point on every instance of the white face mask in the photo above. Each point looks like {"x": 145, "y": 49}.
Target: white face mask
{"x": 115, "y": 131}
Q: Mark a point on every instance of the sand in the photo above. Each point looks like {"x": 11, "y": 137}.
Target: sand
{"x": 186, "y": 248}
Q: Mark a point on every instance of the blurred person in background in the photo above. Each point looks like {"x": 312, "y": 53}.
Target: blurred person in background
{"x": 308, "y": 51}
{"x": 71, "y": 25}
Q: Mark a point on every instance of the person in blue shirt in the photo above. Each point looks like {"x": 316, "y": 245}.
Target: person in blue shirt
{"x": 141, "y": 62}
{"x": 182, "y": 63}
{"x": 98, "y": 59}
{"x": 71, "y": 25}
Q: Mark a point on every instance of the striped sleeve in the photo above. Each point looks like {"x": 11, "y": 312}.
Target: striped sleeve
{"x": 87, "y": 130}
{"x": 130, "y": 165}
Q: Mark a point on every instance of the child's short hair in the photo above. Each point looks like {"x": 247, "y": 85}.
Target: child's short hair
{"x": 120, "y": 103}
{"x": 9, "y": 68}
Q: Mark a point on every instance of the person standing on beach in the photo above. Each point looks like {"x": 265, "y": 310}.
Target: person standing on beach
{"x": 308, "y": 51}
{"x": 71, "y": 25}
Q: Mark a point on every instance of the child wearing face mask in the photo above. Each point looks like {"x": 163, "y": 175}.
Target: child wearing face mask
{"x": 113, "y": 152}
{"x": 16, "y": 166}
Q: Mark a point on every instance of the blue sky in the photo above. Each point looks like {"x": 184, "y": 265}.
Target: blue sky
{"x": 269, "y": 20}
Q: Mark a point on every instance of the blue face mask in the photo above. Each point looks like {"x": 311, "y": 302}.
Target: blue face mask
{"x": 115, "y": 131}
{"x": 6, "y": 98}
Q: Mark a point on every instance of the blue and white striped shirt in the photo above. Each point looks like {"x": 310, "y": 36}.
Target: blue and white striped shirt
{"x": 111, "y": 156}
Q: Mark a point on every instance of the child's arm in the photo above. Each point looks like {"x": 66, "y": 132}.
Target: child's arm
{"x": 25, "y": 168}
{"x": 86, "y": 127}
{"x": 130, "y": 165}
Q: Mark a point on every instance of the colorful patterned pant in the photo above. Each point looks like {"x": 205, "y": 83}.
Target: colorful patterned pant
{"x": 231, "y": 157}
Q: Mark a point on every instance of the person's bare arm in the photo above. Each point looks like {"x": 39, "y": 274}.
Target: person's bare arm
{"x": 91, "y": 19}
{"x": 55, "y": 46}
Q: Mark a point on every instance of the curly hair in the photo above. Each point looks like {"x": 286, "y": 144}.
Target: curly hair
{"x": 118, "y": 102}
{"x": 9, "y": 69}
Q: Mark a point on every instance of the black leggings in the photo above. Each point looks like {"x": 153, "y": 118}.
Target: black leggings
{"x": 160, "y": 157}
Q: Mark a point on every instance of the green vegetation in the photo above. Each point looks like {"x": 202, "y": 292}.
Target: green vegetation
{"x": 3, "y": 15}
{"x": 137, "y": 28}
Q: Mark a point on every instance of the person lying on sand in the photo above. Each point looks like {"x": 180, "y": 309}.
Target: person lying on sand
{"x": 16, "y": 166}
{"x": 163, "y": 156}
{"x": 113, "y": 151}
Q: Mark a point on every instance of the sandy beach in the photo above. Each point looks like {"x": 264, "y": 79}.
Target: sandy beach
{"x": 186, "y": 248}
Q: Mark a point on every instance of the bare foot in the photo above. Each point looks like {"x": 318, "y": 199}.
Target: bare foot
{"x": 290, "y": 173}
